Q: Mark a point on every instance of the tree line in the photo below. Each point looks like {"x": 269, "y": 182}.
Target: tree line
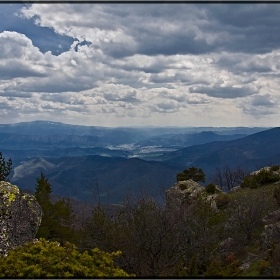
{"x": 144, "y": 238}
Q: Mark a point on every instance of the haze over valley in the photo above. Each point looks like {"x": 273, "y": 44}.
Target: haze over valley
{"x": 119, "y": 160}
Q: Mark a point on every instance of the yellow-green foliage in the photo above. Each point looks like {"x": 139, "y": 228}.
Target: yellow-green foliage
{"x": 12, "y": 197}
{"x": 43, "y": 259}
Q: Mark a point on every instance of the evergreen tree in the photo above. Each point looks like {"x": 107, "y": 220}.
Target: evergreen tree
{"x": 63, "y": 219}
{"x": 42, "y": 194}
{"x": 5, "y": 168}
{"x": 196, "y": 174}
{"x": 57, "y": 218}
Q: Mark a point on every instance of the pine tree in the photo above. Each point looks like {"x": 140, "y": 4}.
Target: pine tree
{"x": 5, "y": 168}
{"x": 42, "y": 194}
{"x": 57, "y": 218}
{"x": 196, "y": 174}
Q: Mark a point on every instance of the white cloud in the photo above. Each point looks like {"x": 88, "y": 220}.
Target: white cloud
{"x": 169, "y": 64}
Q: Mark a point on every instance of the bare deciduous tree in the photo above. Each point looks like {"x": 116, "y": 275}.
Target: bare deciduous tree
{"x": 227, "y": 178}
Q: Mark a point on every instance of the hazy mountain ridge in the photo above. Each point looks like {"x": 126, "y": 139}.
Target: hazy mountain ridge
{"x": 140, "y": 133}
{"x": 245, "y": 152}
{"x": 72, "y": 164}
{"x": 189, "y": 139}
{"x": 77, "y": 176}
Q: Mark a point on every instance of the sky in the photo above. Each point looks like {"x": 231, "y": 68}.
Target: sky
{"x": 131, "y": 64}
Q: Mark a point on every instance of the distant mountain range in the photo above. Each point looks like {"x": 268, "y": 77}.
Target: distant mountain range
{"x": 77, "y": 159}
{"x": 256, "y": 150}
{"x": 40, "y": 138}
{"x": 189, "y": 139}
{"x": 137, "y": 133}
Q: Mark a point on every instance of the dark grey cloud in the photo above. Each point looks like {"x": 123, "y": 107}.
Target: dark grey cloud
{"x": 59, "y": 83}
{"x": 250, "y": 28}
{"x": 257, "y": 112}
{"x": 130, "y": 96}
{"x": 15, "y": 69}
{"x": 154, "y": 68}
{"x": 173, "y": 44}
{"x": 263, "y": 100}
{"x": 223, "y": 92}
{"x": 15, "y": 93}
{"x": 240, "y": 63}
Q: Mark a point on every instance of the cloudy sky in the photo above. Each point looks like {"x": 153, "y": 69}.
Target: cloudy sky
{"x": 141, "y": 64}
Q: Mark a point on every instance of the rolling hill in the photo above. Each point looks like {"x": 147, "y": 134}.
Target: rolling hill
{"x": 77, "y": 177}
{"x": 262, "y": 147}
{"x": 181, "y": 140}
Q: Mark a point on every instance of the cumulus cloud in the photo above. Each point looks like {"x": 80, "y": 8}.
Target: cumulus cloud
{"x": 142, "y": 63}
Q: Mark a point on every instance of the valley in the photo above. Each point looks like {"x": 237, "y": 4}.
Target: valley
{"x": 81, "y": 161}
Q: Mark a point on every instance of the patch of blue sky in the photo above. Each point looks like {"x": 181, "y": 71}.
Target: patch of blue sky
{"x": 42, "y": 37}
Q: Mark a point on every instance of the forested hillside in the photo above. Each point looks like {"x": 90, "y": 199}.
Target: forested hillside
{"x": 197, "y": 232}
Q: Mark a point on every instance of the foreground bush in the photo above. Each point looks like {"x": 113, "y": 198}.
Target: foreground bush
{"x": 43, "y": 259}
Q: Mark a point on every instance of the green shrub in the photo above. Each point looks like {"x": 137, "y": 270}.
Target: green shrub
{"x": 263, "y": 177}
{"x": 210, "y": 188}
{"x": 249, "y": 182}
{"x": 266, "y": 177}
{"x": 222, "y": 200}
{"x": 193, "y": 173}
{"x": 44, "y": 259}
{"x": 275, "y": 168}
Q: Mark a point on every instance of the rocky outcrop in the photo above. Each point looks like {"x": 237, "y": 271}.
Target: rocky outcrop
{"x": 271, "y": 233}
{"x": 272, "y": 218}
{"x": 20, "y": 217}
{"x": 258, "y": 171}
{"x": 182, "y": 194}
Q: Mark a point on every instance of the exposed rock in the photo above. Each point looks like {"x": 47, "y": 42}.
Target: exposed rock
{"x": 212, "y": 199}
{"x": 218, "y": 189}
{"x": 274, "y": 172}
{"x": 20, "y": 217}
{"x": 271, "y": 231}
{"x": 182, "y": 194}
{"x": 272, "y": 218}
{"x": 258, "y": 171}
{"x": 251, "y": 258}
{"x": 270, "y": 235}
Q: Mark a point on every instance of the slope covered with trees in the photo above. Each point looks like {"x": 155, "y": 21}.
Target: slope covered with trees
{"x": 214, "y": 234}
